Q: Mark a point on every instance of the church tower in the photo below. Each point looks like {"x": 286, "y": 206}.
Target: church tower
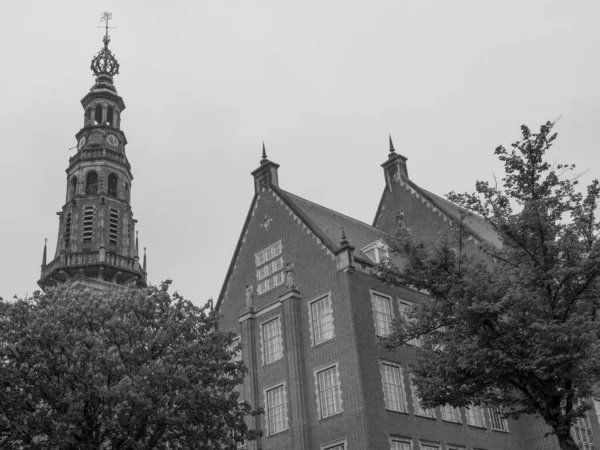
{"x": 97, "y": 242}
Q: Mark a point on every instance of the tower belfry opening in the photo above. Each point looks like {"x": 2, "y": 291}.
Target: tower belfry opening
{"x": 95, "y": 245}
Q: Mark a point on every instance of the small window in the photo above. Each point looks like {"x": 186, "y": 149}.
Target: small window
{"x": 405, "y": 308}
{"x": 498, "y": 422}
{"x": 475, "y": 416}
{"x": 582, "y": 433}
{"x": 268, "y": 254}
{"x": 91, "y": 184}
{"x": 112, "y": 185}
{"x": 67, "y": 236}
{"x": 273, "y": 270}
{"x": 272, "y": 341}
{"x": 321, "y": 319}
{"x": 419, "y": 410}
{"x": 382, "y": 314}
{"x": 113, "y": 226}
{"x": 401, "y": 444}
{"x": 450, "y": 413}
{"x": 88, "y": 223}
{"x": 393, "y": 392}
{"x": 276, "y": 409}
{"x": 376, "y": 252}
{"x": 329, "y": 392}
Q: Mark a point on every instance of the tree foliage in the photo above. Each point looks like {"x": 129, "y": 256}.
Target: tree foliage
{"x": 512, "y": 325}
{"x": 117, "y": 369}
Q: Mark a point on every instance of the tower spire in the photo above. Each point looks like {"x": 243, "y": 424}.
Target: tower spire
{"x": 392, "y": 149}
{"x": 144, "y": 259}
{"x": 264, "y": 154}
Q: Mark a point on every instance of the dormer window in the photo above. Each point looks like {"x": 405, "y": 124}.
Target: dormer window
{"x": 376, "y": 252}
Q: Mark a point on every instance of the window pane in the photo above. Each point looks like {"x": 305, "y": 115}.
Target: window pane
{"x": 382, "y": 312}
{"x": 498, "y": 422}
{"x": 276, "y": 410}
{"x": 400, "y": 445}
{"x": 329, "y": 392}
{"x": 392, "y": 387}
{"x": 322, "y": 320}
{"x": 272, "y": 341}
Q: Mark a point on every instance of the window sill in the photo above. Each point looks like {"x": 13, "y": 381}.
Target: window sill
{"x": 320, "y": 344}
{"x": 397, "y": 411}
{"x": 323, "y": 419}
{"x": 273, "y": 362}
{"x": 426, "y": 417}
{"x": 500, "y": 431}
{"x": 278, "y": 432}
{"x": 479, "y": 427}
{"x": 452, "y": 421}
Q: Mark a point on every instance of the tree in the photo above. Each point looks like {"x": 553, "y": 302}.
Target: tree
{"x": 118, "y": 369}
{"x": 513, "y": 325}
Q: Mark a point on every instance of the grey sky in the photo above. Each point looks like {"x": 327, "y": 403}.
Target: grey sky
{"x": 321, "y": 82}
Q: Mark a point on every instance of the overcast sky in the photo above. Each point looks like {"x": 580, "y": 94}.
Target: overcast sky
{"x": 321, "y": 82}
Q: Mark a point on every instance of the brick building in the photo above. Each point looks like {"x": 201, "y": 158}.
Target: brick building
{"x": 300, "y": 295}
{"x": 97, "y": 245}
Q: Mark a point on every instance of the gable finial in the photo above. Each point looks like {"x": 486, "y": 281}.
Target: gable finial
{"x": 392, "y": 149}
{"x": 344, "y": 239}
{"x": 45, "y": 251}
{"x": 264, "y": 154}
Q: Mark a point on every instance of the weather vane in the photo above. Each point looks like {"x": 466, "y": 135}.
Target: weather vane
{"x": 106, "y": 16}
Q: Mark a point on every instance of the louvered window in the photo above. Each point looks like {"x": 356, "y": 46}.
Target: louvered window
{"x": 67, "y": 236}
{"x": 113, "y": 227}
{"x": 88, "y": 223}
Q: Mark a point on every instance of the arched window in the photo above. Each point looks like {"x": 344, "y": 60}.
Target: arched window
{"x": 109, "y": 116}
{"x": 87, "y": 117}
{"x": 112, "y": 185}
{"x": 73, "y": 188}
{"x": 91, "y": 185}
{"x": 98, "y": 115}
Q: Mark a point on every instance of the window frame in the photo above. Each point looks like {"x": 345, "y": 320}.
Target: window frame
{"x": 495, "y": 412}
{"x": 337, "y": 390}
{"x": 313, "y": 333}
{"x": 374, "y": 294}
{"x": 417, "y": 409}
{"x": 400, "y": 440}
{"x": 334, "y": 445}
{"x": 402, "y": 304}
{"x": 263, "y": 340}
{"x": 451, "y": 411}
{"x": 400, "y": 387}
{"x": 480, "y": 414}
{"x": 286, "y": 422}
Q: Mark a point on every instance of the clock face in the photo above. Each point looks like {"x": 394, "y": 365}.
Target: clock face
{"x": 81, "y": 143}
{"x": 112, "y": 140}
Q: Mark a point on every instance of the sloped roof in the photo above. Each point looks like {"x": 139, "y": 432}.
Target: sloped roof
{"x": 478, "y": 225}
{"x": 329, "y": 223}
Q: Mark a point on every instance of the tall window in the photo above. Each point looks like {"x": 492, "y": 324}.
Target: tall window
{"x": 450, "y": 413}
{"x": 276, "y": 410}
{"x": 401, "y": 444}
{"x": 112, "y": 185}
{"x": 73, "y": 188}
{"x": 272, "y": 341}
{"x": 419, "y": 410}
{"x": 321, "y": 316}
{"x": 91, "y": 183}
{"x": 269, "y": 274}
{"x": 475, "y": 416}
{"x": 405, "y": 308}
{"x": 582, "y": 433}
{"x": 113, "y": 226}
{"x": 382, "y": 313}
{"x": 88, "y": 223}
{"x": 67, "y": 236}
{"x": 391, "y": 377}
{"x": 498, "y": 422}
{"x": 329, "y": 392}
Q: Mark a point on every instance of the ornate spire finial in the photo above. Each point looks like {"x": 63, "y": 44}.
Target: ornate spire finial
{"x": 264, "y": 154}
{"x": 137, "y": 244}
{"x": 144, "y": 259}
{"x": 392, "y": 149}
{"x": 104, "y": 64}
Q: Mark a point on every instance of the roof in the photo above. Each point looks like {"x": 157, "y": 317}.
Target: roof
{"x": 328, "y": 223}
{"x": 477, "y": 224}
